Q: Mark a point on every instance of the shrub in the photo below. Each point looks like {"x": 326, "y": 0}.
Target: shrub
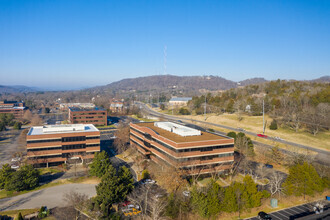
{"x": 145, "y": 174}
{"x": 273, "y": 125}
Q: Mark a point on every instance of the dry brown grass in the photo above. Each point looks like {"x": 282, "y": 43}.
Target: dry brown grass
{"x": 254, "y": 124}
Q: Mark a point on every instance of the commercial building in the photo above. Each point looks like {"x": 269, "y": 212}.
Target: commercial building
{"x": 64, "y": 106}
{"x": 179, "y": 100}
{"x": 183, "y": 147}
{"x": 117, "y": 106}
{"x": 53, "y": 145}
{"x": 13, "y": 107}
{"x": 95, "y": 116}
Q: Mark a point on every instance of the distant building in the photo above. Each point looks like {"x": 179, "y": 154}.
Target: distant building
{"x": 64, "y": 106}
{"x": 189, "y": 149}
{"x": 95, "y": 116}
{"x": 13, "y": 107}
{"x": 53, "y": 145}
{"x": 179, "y": 100}
{"x": 117, "y": 106}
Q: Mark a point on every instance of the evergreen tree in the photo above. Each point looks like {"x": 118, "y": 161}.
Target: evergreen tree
{"x": 303, "y": 180}
{"x": 100, "y": 164}
{"x": 273, "y": 125}
{"x": 5, "y": 174}
{"x": 17, "y": 125}
{"x": 19, "y": 216}
{"x": 172, "y": 208}
{"x": 113, "y": 188}
{"x": 26, "y": 178}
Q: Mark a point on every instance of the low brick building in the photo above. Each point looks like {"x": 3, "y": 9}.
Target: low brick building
{"x": 53, "y": 145}
{"x": 183, "y": 147}
{"x": 95, "y": 116}
{"x": 13, "y": 107}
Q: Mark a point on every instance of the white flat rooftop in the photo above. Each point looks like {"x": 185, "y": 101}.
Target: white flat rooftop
{"x": 178, "y": 129}
{"x": 56, "y": 129}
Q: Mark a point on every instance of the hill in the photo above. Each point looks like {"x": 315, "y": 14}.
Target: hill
{"x": 164, "y": 83}
{"x": 16, "y": 89}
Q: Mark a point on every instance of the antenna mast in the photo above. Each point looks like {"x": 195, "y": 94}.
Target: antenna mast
{"x": 165, "y": 56}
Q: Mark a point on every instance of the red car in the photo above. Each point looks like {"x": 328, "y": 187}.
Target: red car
{"x": 262, "y": 135}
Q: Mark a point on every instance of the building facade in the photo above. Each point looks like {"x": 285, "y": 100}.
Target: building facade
{"x": 64, "y": 106}
{"x": 117, "y": 106}
{"x": 189, "y": 149}
{"x": 95, "y": 116}
{"x": 53, "y": 145}
{"x": 179, "y": 101}
{"x": 13, "y": 107}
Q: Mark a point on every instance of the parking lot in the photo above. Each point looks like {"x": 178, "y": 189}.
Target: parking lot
{"x": 295, "y": 212}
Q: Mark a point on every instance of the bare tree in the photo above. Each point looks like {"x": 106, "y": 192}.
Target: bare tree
{"x": 77, "y": 200}
{"x": 275, "y": 182}
{"x": 149, "y": 201}
{"x": 122, "y": 138}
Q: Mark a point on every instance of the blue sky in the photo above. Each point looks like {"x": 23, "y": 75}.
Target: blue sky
{"x": 75, "y": 44}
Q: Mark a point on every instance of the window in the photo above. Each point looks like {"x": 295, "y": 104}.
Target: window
{"x": 72, "y": 139}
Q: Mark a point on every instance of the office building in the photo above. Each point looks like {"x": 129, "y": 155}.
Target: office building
{"x": 13, "y": 107}
{"x": 183, "y": 147}
{"x": 52, "y": 145}
{"x": 95, "y": 116}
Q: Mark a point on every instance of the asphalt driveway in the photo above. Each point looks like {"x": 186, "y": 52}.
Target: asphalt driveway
{"x": 50, "y": 197}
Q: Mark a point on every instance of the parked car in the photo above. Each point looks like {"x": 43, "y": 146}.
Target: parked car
{"x": 268, "y": 165}
{"x": 264, "y": 215}
{"x": 262, "y": 135}
{"x": 148, "y": 181}
{"x": 14, "y": 166}
{"x": 15, "y": 159}
{"x": 278, "y": 138}
{"x": 241, "y": 129}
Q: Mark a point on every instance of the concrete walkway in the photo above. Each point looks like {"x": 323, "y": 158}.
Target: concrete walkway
{"x": 50, "y": 197}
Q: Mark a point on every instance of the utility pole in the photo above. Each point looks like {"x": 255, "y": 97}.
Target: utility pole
{"x": 263, "y": 116}
{"x": 205, "y": 109}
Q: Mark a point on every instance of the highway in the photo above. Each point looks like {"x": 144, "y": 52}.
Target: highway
{"x": 322, "y": 156}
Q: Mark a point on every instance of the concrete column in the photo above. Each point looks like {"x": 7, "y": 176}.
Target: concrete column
{"x": 47, "y": 164}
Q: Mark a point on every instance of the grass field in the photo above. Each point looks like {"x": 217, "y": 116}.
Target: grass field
{"x": 254, "y": 124}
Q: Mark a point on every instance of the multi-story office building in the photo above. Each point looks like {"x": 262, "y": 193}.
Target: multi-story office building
{"x": 52, "y": 145}
{"x": 13, "y": 107}
{"x": 95, "y": 116}
{"x": 183, "y": 147}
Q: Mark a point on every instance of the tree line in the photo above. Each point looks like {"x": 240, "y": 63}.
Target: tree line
{"x": 294, "y": 104}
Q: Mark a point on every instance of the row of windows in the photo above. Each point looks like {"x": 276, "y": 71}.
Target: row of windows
{"x": 207, "y": 166}
{"x": 44, "y": 141}
{"x": 64, "y": 147}
{"x": 45, "y": 157}
{"x": 90, "y": 113}
{"x": 44, "y": 148}
{"x": 73, "y": 146}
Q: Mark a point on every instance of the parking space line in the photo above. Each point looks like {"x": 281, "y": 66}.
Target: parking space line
{"x": 274, "y": 217}
{"x": 286, "y": 211}
{"x": 300, "y": 210}
{"x": 293, "y": 211}
{"x": 277, "y": 213}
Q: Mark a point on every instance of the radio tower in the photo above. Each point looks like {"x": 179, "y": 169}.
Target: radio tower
{"x": 165, "y": 54}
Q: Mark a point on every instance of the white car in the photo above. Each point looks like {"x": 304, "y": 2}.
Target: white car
{"x": 14, "y": 167}
{"x": 149, "y": 181}
{"x": 15, "y": 159}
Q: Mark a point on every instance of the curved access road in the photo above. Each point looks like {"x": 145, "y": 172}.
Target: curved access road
{"x": 50, "y": 197}
{"x": 322, "y": 156}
